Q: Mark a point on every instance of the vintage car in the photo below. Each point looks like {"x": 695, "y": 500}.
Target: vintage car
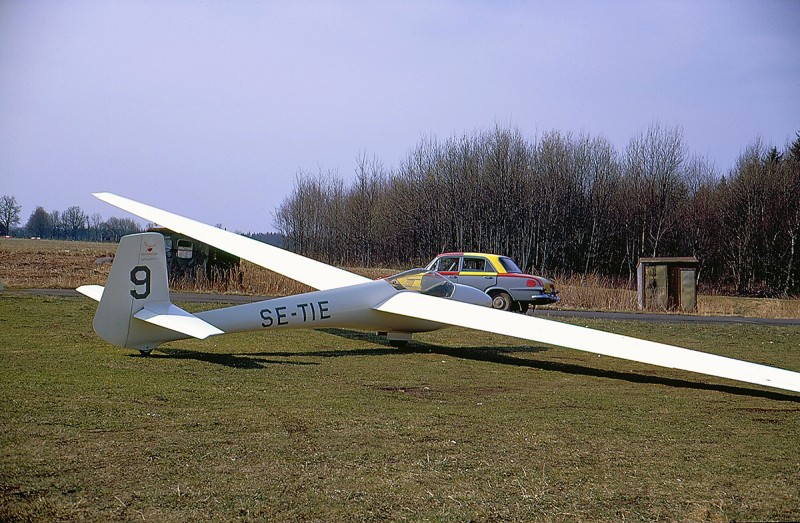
{"x": 497, "y": 276}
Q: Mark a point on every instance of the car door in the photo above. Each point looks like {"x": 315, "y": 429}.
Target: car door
{"x": 448, "y": 266}
{"x": 478, "y": 272}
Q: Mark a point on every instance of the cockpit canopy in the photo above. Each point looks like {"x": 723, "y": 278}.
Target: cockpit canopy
{"x": 423, "y": 281}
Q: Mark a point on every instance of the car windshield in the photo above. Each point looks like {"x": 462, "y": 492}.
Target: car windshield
{"x": 509, "y": 265}
{"x": 423, "y": 281}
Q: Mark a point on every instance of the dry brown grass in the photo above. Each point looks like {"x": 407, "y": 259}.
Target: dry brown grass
{"x": 26, "y": 264}
{"x": 252, "y": 279}
{"x": 44, "y": 264}
{"x": 595, "y": 292}
{"x": 63, "y": 264}
{"x": 755, "y": 307}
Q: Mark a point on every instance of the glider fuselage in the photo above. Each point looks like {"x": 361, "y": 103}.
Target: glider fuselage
{"x": 347, "y": 307}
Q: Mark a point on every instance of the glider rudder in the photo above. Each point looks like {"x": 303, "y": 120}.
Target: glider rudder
{"x": 134, "y": 309}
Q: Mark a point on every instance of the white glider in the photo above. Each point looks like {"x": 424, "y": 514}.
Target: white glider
{"x": 135, "y": 310}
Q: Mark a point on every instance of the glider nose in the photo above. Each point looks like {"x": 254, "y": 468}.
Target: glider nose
{"x": 471, "y": 295}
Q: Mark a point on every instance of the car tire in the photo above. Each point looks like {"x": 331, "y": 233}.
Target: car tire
{"x": 502, "y": 301}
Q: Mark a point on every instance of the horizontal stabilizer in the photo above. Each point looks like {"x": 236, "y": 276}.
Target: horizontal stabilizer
{"x": 172, "y": 317}
{"x": 94, "y": 292}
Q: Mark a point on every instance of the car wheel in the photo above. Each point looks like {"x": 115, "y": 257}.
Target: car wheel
{"x": 501, "y": 301}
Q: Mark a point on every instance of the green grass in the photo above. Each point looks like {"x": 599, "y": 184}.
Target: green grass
{"x": 335, "y": 425}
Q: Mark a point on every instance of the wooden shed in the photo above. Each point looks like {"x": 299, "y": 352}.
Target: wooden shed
{"x": 667, "y": 283}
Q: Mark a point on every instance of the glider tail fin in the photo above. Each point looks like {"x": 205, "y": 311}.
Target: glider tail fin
{"x": 135, "y": 310}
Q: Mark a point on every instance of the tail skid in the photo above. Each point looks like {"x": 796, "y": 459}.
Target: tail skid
{"x": 135, "y": 310}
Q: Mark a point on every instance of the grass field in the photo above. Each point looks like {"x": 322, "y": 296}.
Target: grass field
{"x": 336, "y": 426}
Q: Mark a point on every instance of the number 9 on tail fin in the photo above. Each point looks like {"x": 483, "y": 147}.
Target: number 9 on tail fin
{"x": 135, "y": 310}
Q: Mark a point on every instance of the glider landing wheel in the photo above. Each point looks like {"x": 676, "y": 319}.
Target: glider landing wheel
{"x": 398, "y": 339}
{"x": 145, "y": 352}
{"x": 502, "y": 301}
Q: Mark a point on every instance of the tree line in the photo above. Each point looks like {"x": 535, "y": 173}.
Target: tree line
{"x": 562, "y": 204}
{"x": 70, "y": 224}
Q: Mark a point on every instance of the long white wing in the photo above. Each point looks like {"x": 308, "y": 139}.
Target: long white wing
{"x": 589, "y": 340}
{"x": 305, "y": 270}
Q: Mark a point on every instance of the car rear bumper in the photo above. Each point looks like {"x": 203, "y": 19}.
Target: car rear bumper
{"x": 545, "y": 299}
{"x": 534, "y": 297}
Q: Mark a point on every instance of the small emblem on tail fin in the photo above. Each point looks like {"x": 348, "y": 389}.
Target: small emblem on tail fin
{"x": 149, "y": 247}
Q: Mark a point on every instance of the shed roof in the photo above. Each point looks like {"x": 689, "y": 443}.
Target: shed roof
{"x": 670, "y": 260}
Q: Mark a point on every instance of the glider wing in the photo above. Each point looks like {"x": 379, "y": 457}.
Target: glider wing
{"x": 305, "y": 270}
{"x": 584, "y": 339}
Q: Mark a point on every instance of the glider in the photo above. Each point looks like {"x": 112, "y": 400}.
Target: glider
{"x": 135, "y": 309}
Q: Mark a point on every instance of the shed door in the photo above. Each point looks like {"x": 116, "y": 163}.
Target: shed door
{"x": 674, "y": 289}
{"x": 689, "y": 290}
{"x": 655, "y": 290}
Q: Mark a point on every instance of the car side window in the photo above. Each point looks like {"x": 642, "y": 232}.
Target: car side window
{"x": 448, "y": 264}
{"x": 477, "y": 265}
{"x": 509, "y": 265}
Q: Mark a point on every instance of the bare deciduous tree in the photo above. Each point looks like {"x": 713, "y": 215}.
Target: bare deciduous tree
{"x": 75, "y": 221}
{"x": 9, "y": 213}
{"x": 562, "y": 204}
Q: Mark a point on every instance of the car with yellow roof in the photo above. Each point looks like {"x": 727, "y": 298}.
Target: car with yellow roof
{"x": 499, "y": 277}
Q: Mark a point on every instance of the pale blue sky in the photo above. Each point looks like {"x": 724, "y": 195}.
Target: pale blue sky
{"x": 210, "y": 108}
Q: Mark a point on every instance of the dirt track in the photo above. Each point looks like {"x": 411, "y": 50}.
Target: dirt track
{"x": 540, "y": 312}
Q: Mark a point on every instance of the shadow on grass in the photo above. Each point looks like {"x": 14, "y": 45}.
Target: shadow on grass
{"x": 226, "y": 360}
{"x": 504, "y": 356}
{"x": 500, "y": 355}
